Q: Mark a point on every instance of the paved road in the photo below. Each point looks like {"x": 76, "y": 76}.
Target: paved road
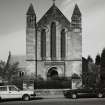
{"x": 59, "y": 101}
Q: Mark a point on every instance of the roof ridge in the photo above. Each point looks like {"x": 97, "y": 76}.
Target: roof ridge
{"x": 52, "y": 8}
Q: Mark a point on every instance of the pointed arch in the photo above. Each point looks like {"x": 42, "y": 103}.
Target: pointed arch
{"x": 53, "y": 41}
{"x": 63, "y": 44}
{"x": 43, "y": 44}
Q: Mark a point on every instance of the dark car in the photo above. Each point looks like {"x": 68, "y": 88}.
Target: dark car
{"x": 75, "y": 93}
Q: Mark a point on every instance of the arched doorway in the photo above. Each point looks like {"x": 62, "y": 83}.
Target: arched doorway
{"x": 52, "y": 73}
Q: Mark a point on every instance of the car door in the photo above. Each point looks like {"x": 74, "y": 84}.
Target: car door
{"x": 4, "y": 93}
{"x": 90, "y": 92}
{"x": 81, "y": 92}
{"x": 14, "y": 92}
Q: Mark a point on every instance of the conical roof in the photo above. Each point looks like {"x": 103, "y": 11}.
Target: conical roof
{"x": 31, "y": 10}
{"x": 76, "y": 10}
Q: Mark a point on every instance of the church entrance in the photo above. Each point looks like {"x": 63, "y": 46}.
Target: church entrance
{"x": 52, "y": 73}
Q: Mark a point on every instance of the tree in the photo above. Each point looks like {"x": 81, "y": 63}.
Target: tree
{"x": 102, "y": 71}
{"x": 92, "y": 74}
{"x": 97, "y": 59}
{"x": 97, "y": 63}
{"x": 2, "y": 65}
{"x": 8, "y": 70}
{"x": 103, "y": 59}
{"x": 89, "y": 59}
{"x": 84, "y": 71}
{"x": 89, "y": 72}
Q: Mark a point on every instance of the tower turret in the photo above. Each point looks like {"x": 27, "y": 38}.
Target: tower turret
{"x": 31, "y": 17}
{"x": 30, "y": 33}
{"x": 76, "y": 20}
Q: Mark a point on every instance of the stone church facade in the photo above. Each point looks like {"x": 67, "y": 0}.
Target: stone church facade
{"x": 53, "y": 44}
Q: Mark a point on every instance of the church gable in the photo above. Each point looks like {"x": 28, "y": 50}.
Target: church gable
{"x": 54, "y": 14}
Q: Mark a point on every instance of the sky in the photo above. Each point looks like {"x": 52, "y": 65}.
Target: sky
{"x": 13, "y": 23}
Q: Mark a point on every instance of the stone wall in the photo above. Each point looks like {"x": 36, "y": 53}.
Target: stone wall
{"x": 73, "y": 67}
{"x": 30, "y": 44}
{"x": 72, "y": 62}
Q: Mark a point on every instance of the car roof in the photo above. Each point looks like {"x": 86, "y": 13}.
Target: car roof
{"x": 6, "y": 85}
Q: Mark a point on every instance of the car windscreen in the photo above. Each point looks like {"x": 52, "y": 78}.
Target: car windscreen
{"x": 12, "y": 88}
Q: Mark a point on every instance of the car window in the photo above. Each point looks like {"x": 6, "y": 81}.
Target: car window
{"x": 11, "y": 88}
{"x": 3, "y": 88}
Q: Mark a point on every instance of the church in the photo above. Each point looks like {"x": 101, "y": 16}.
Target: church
{"x": 53, "y": 44}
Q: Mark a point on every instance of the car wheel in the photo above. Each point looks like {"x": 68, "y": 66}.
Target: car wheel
{"x": 74, "y": 96}
{"x": 100, "y": 95}
{"x": 26, "y": 98}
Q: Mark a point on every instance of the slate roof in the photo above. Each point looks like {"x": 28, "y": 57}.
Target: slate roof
{"x": 31, "y": 10}
{"x": 21, "y": 59}
{"x": 76, "y": 10}
{"x": 55, "y": 14}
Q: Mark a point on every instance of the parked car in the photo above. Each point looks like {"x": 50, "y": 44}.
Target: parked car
{"x": 75, "y": 93}
{"x": 12, "y": 92}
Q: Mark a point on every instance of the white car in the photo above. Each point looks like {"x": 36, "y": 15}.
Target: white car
{"x": 12, "y": 92}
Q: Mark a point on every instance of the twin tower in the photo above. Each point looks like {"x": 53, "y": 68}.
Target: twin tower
{"x": 54, "y": 44}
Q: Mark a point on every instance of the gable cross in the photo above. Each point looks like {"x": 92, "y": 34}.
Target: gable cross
{"x": 54, "y": 2}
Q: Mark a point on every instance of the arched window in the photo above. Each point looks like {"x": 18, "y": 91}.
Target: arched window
{"x": 53, "y": 41}
{"x": 43, "y": 44}
{"x": 21, "y": 73}
{"x": 63, "y": 44}
{"x": 31, "y": 21}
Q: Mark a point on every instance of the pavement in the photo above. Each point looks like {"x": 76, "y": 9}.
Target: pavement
{"x": 58, "y": 101}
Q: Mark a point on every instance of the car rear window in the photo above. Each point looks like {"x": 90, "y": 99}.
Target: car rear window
{"x": 3, "y": 88}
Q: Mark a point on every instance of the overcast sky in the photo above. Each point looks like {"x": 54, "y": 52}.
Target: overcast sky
{"x": 13, "y": 23}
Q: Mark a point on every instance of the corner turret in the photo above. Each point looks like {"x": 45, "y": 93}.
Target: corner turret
{"x": 76, "y": 20}
{"x": 31, "y": 17}
{"x": 30, "y": 33}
